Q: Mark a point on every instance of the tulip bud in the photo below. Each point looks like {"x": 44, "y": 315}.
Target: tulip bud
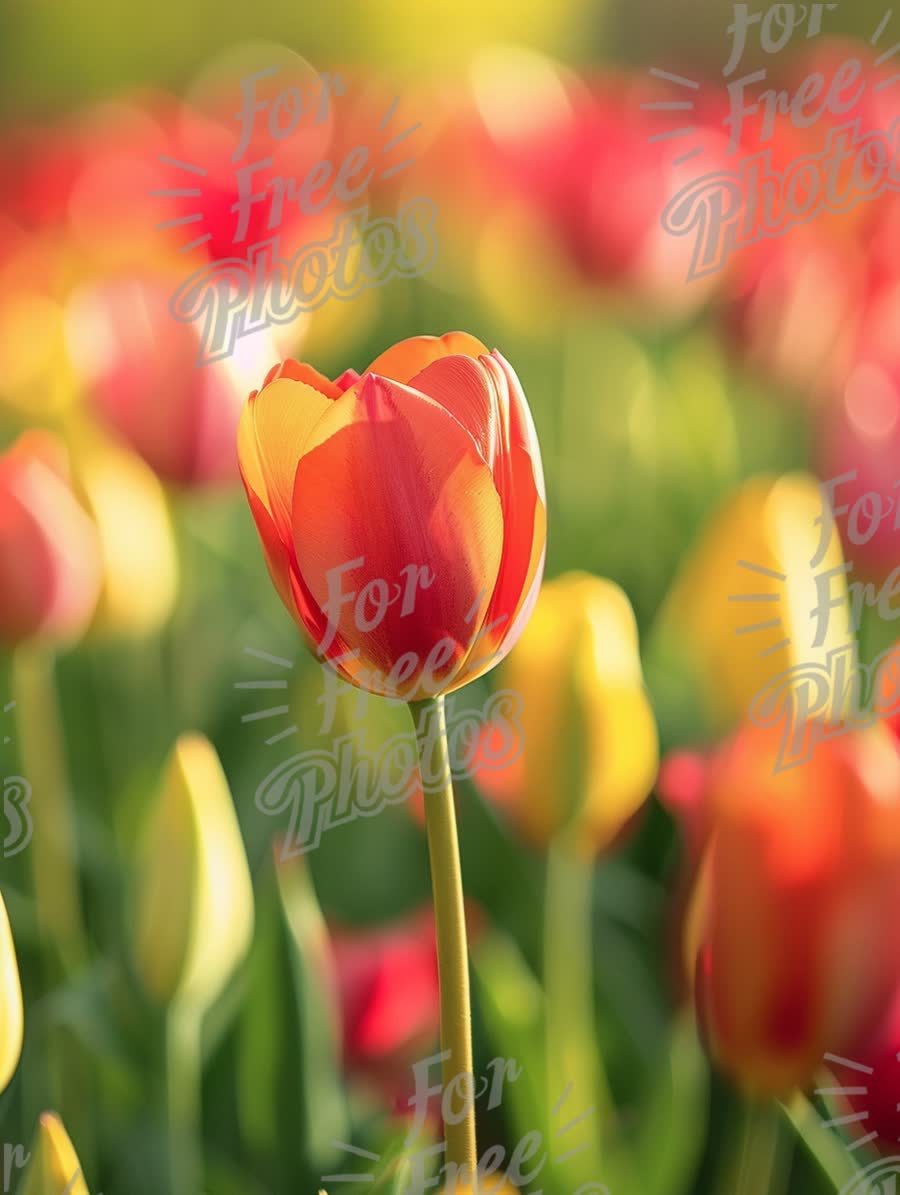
{"x": 11, "y": 1020}
{"x": 128, "y": 506}
{"x": 53, "y": 1168}
{"x": 453, "y": 422}
{"x": 792, "y": 937}
{"x": 761, "y": 593}
{"x": 589, "y": 743}
{"x": 49, "y": 563}
{"x": 194, "y": 895}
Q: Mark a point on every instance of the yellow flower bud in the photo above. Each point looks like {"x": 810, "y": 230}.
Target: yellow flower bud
{"x": 194, "y": 897}
{"x": 53, "y": 1168}
{"x": 128, "y": 506}
{"x": 589, "y": 742}
{"x": 11, "y": 1019}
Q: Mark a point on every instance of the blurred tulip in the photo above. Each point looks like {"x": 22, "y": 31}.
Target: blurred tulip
{"x": 193, "y": 893}
{"x": 791, "y": 937}
{"x": 752, "y": 598}
{"x": 137, "y": 546}
{"x": 139, "y": 367}
{"x": 859, "y": 448}
{"x": 389, "y": 1000}
{"x": 11, "y": 1017}
{"x": 49, "y": 565}
{"x": 601, "y": 170}
{"x": 54, "y": 1168}
{"x": 436, "y": 443}
{"x": 589, "y": 748}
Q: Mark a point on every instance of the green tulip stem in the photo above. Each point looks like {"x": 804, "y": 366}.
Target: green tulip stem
{"x": 452, "y": 951}
{"x": 573, "y": 1062}
{"x": 183, "y": 1072}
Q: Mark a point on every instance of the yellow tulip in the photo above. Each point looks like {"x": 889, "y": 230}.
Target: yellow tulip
{"x": 589, "y": 742}
{"x": 11, "y": 1019}
{"x": 53, "y": 1168}
{"x": 137, "y": 548}
{"x": 749, "y": 603}
{"x": 194, "y": 896}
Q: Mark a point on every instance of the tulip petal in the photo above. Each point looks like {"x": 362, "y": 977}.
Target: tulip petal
{"x": 521, "y": 571}
{"x": 401, "y": 362}
{"x": 463, "y": 388}
{"x": 522, "y": 431}
{"x": 301, "y": 371}
{"x": 415, "y": 492}
{"x": 284, "y": 413}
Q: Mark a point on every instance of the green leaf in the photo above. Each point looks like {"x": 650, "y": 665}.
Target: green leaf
{"x": 825, "y": 1149}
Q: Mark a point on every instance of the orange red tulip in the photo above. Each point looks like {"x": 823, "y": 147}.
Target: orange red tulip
{"x": 401, "y": 513}
{"x": 49, "y": 558}
{"x": 792, "y": 937}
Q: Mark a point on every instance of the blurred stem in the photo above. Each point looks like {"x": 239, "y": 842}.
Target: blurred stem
{"x": 573, "y": 1061}
{"x": 183, "y": 1073}
{"x": 450, "y": 926}
{"x": 53, "y": 851}
{"x": 754, "y": 1164}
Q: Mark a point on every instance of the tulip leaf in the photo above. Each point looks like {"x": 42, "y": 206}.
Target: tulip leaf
{"x": 288, "y": 1079}
{"x": 824, "y": 1148}
{"x": 317, "y": 1007}
{"x": 512, "y": 1005}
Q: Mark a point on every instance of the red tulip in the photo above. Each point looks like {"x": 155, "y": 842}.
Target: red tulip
{"x": 402, "y": 515}
{"x": 601, "y": 172}
{"x": 792, "y": 937}
{"x": 389, "y": 1000}
{"x": 49, "y": 558}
